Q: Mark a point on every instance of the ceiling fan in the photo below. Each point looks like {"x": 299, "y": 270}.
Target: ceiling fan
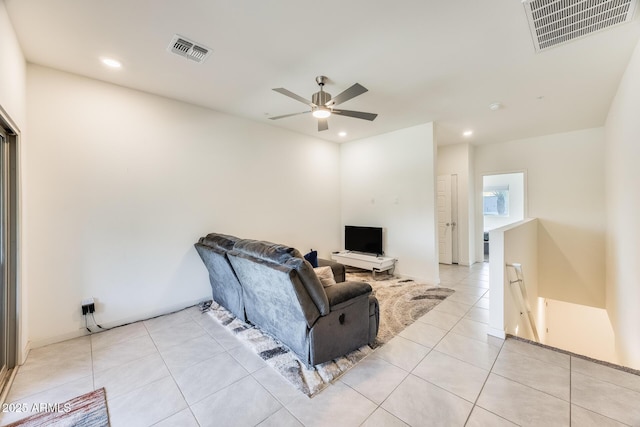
{"x": 322, "y": 104}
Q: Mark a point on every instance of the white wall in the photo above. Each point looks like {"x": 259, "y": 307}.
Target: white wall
{"x": 515, "y": 183}
{"x": 389, "y": 181}
{"x": 456, "y": 160}
{"x": 12, "y": 76}
{"x": 579, "y": 329}
{"x": 122, "y": 183}
{"x": 565, "y": 191}
{"x": 514, "y": 243}
{"x": 13, "y": 109}
{"x": 623, "y": 209}
{"x": 473, "y": 235}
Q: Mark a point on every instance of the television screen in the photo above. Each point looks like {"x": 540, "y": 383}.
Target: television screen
{"x": 363, "y": 239}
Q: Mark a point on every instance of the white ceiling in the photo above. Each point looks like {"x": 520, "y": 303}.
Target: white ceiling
{"x": 422, "y": 60}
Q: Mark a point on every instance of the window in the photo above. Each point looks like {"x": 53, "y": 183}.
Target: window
{"x": 495, "y": 201}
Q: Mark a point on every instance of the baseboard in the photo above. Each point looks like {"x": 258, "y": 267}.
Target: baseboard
{"x": 113, "y": 324}
{"x": 22, "y": 357}
{"x": 56, "y": 339}
{"x": 581, "y": 356}
{"x": 498, "y": 333}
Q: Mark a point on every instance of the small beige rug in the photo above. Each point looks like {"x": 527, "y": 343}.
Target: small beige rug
{"x": 88, "y": 410}
{"x": 401, "y": 301}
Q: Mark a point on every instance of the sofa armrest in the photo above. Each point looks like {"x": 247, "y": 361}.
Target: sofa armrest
{"x": 337, "y": 268}
{"x": 342, "y": 294}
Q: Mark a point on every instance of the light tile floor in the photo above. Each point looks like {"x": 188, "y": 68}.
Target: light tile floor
{"x": 184, "y": 369}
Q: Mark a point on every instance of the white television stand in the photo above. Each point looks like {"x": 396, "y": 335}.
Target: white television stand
{"x": 375, "y": 264}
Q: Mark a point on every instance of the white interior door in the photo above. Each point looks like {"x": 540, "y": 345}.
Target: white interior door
{"x": 444, "y": 218}
{"x": 454, "y": 220}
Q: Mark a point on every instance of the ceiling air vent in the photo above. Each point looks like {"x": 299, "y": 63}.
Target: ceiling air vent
{"x": 554, "y": 22}
{"x": 188, "y": 48}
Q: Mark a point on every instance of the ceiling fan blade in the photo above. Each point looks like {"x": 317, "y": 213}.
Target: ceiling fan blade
{"x": 288, "y": 115}
{"x": 352, "y": 92}
{"x": 322, "y": 125}
{"x": 356, "y": 114}
{"x": 294, "y": 96}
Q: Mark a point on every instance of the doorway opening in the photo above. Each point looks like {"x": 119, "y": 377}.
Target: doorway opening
{"x": 503, "y": 203}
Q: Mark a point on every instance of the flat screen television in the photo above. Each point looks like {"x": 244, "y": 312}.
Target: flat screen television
{"x": 363, "y": 239}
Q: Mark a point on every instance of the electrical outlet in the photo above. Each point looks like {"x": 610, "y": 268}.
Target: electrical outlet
{"x": 88, "y": 306}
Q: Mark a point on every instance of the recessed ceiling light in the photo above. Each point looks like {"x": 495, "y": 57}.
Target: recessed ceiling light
{"x": 467, "y": 133}
{"x": 111, "y": 63}
{"x": 495, "y": 106}
{"x": 342, "y": 134}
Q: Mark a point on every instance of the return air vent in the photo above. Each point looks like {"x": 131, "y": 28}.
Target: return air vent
{"x": 189, "y": 49}
{"x": 554, "y": 22}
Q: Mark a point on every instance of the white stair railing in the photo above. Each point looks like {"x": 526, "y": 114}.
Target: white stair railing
{"x": 519, "y": 292}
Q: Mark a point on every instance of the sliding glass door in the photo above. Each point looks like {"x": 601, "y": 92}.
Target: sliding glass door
{"x": 8, "y": 244}
{"x": 4, "y": 347}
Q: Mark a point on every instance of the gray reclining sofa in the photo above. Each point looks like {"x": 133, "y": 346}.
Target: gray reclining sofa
{"x": 281, "y": 294}
{"x": 225, "y": 288}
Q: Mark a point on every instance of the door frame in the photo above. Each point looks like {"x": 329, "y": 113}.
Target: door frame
{"x": 479, "y": 249}
{"x": 11, "y": 187}
{"x": 455, "y": 235}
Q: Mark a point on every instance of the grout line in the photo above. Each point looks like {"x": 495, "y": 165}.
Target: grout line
{"x": 450, "y": 331}
{"x": 365, "y": 397}
{"x": 381, "y": 408}
{"x": 475, "y": 403}
{"x": 170, "y": 375}
{"x": 189, "y": 406}
{"x": 93, "y": 370}
{"x": 492, "y": 365}
{"x": 603, "y": 415}
{"x": 532, "y": 388}
{"x": 408, "y": 373}
{"x": 620, "y": 368}
{"x": 570, "y": 387}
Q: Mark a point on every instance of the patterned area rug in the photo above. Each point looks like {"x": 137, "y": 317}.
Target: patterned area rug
{"x": 402, "y": 301}
{"x": 88, "y": 410}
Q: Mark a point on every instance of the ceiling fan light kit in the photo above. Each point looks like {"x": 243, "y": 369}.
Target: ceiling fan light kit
{"x": 321, "y": 113}
{"x": 322, "y": 104}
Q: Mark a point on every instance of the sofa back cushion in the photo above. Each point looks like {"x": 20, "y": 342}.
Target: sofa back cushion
{"x": 285, "y": 255}
{"x": 272, "y": 252}
{"x": 223, "y": 242}
{"x": 275, "y": 299}
{"x": 225, "y": 287}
